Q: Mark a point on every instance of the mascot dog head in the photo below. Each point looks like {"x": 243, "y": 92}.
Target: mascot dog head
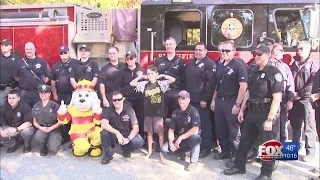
{"x": 84, "y": 96}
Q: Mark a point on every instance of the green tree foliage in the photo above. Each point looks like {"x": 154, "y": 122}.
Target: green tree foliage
{"x": 104, "y": 4}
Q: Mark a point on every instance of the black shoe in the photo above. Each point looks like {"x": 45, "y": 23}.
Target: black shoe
{"x": 14, "y": 146}
{"x": 233, "y": 171}
{"x": 204, "y": 153}
{"x": 263, "y": 177}
{"x": 44, "y": 152}
{"x": 126, "y": 154}
{"x": 26, "y": 149}
{"x": 222, "y": 155}
{"x": 106, "y": 160}
{"x": 230, "y": 163}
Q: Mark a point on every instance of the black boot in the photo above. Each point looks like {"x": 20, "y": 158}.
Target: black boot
{"x": 44, "y": 151}
{"x": 27, "y": 146}
{"x": 223, "y": 155}
{"x": 13, "y": 147}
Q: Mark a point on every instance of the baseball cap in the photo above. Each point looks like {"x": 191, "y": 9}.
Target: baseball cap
{"x": 184, "y": 94}
{"x": 131, "y": 53}
{"x": 64, "y": 49}
{"x": 44, "y": 88}
{"x": 6, "y": 42}
{"x": 84, "y": 46}
{"x": 262, "y": 48}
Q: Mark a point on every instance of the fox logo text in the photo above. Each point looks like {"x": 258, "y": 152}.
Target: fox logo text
{"x": 270, "y": 150}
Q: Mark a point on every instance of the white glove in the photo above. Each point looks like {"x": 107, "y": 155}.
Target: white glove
{"x": 96, "y": 107}
{"x": 63, "y": 108}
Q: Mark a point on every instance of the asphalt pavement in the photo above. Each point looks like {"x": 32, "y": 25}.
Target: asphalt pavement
{"x": 64, "y": 166}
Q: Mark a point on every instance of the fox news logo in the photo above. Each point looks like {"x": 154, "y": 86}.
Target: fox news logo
{"x": 274, "y": 150}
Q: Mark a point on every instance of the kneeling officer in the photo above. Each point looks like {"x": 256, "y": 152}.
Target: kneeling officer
{"x": 45, "y": 121}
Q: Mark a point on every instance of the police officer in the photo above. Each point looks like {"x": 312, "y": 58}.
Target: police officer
{"x": 315, "y": 98}
{"x": 44, "y": 113}
{"x": 200, "y": 82}
{"x": 287, "y": 99}
{"x": 15, "y": 121}
{"x": 184, "y": 130}
{"x": 31, "y": 72}
{"x": 131, "y": 71}
{"x": 264, "y": 95}
{"x": 304, "y": 69}
{"x": 110, "y": 76}
{"x": 7, "y": 62}
{"x": 174, "y": 66}
{"x": 232, "y": 78}
{"x": 120, "y": 125}
{"x": 85, "y": 68}
{"x": 60, "y": 83}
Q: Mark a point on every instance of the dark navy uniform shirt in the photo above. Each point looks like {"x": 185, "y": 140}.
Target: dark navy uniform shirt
{"x": 85, "y": 70}
{"x": 61, "y": 74}
{"x": 175, "y": 68}
{"x": 45, "y": 116}
{"x": 127, "y": 76}
{"x": 201, "y": 79}
{"x": 263, "y": 83}
{"x": 122, "y": 122}
{"x": 229, "y": 77}
{"x": 182, "y": 121}
{"x": 26, "y": 79}
{"x": 7, "y": 64}
{"x": 110, "y": 76}
{"x": 303, "y": 75}
{"x": 15, "y": 117}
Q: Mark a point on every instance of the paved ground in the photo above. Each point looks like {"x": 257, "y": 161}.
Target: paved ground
{"x": 65, "y": 166}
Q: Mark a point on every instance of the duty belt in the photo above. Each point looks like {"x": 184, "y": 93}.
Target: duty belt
{"x": 259, "y": 105}
{"x": 226, "y": 98}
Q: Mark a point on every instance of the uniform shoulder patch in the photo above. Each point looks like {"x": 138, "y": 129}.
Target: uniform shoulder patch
{"x": 278, "y": 77}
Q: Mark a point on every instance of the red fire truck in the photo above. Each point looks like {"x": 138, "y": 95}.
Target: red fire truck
{"x": 145, "y": 30}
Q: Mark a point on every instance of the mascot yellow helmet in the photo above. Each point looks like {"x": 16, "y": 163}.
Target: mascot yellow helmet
{"x": 84, "y": 85}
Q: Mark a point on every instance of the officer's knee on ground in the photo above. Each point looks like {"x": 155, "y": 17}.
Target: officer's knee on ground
{"x": 194, "y": 139}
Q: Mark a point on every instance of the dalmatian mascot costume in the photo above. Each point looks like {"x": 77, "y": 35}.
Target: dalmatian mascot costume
{"x": 85, "y": 114}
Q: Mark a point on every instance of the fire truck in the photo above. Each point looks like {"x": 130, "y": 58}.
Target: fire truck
{"x": 145, "y": 30}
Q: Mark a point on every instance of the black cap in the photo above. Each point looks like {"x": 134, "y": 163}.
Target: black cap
{"x": 6, "y": 42}
{"x": 262, "y": 48}
{"x": 84, "y": 46}
{"x": 64, "y": 49}
{"x": 131, "y": 54}
{"x": 44, "y": 88}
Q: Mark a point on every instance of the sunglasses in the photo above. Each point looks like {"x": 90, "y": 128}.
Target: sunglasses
{"x": 225, "y": 50}
{"x": 63, "y": 52}
{"x": 257, "y": 54}
{"x": 115, "y": 100}
{"x": 129, "y": 58}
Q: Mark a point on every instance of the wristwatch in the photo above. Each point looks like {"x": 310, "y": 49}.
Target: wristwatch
{"x": 269, "y": 119}
{"x": 238, "y": 105}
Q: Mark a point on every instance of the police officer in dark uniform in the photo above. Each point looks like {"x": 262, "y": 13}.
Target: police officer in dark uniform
{"x": 110, "y": 76}
{"x": 263, "y": 99}
{"x": 31, "y": 72}
{"x": 60, "y": 83}
{"x": 15, "y": 121}
{"x": 184, "y": 130}
{"x": 304, "y": 69}
{"x": 120, "y": 125}
{"x": 200, "y": 83}
{"x": 232, "y": 78}
{"x": 315, "y": 98}
{"x": 7, "y": 62}
{"x": 131, "y": 71}
{"x": 174, "y": 66}
{"x": 85, "y": 68}
{"x": 48, "y": 134}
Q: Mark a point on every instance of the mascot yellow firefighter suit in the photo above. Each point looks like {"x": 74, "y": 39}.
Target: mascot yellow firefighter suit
{"x": 85, "y": 114}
